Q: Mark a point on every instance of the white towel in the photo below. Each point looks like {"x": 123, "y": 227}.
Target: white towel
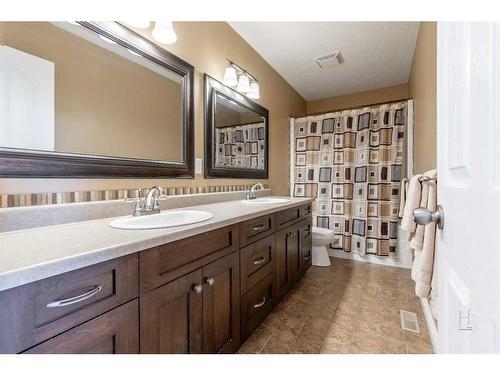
{"x": 412, "y": 202}
{"x": 425, "y": 265}
{"x": 403, "y": 187}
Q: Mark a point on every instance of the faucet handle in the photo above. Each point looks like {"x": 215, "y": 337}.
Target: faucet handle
{"x": 157, "y": 199}
{"x": 136, "y": 199}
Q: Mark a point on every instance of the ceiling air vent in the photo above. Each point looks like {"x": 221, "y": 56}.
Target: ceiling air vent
{"x": 334, "y": 58}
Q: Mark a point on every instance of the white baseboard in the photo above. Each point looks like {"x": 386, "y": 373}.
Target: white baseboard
{"x": 431, "y": 324}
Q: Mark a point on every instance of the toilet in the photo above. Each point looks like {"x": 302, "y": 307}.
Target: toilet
{"x": 321, "y": 239}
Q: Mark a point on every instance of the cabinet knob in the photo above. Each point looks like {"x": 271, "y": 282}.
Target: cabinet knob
{"x": 197, "y": 288}
{"x": 210, "y": 281}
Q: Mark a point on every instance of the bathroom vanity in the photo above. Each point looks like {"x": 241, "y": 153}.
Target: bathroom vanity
{"x": 200, "y": 289}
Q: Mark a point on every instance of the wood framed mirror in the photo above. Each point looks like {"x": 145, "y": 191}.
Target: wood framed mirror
{"x": 92, "y": 99}
{"x": 236, "y": 134}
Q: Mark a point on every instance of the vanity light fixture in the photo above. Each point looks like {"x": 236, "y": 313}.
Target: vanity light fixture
{"x": 230, "y": 76}
{"x": 244, "y": 82}
{"x": 164, "y": 32}
{"x": 254, "y": 92}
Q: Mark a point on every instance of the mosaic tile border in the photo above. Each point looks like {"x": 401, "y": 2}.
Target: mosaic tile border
{"x": 41, "y": 199}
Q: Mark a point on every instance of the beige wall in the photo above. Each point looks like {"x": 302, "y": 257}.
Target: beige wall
{"x": 205, "y": 45}
{"x": 422, "y": 88}
{"x": 380, "y": 95}
{"x": 104, "y": 103}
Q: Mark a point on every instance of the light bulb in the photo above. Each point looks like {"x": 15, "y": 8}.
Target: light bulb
{"x": 164, "y": 32}
{"x": 139, "y": 24}
{"x": 243, "y": 84}
{"x": 254, "y": 92}
{"x": 230, "y": 77}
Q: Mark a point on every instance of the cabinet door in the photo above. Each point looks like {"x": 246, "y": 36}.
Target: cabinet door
{"x": 171, "y": 317}
{"x": 288, "y": 256}
{"x": 115, "y": 332}
{"x": 221, "y": 305}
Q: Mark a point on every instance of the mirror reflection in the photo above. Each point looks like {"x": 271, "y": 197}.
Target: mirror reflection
{"x": 240, "y": 135}
{"x": 65, "y": 88}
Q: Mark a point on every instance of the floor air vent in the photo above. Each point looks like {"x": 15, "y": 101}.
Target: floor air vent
{"x": 409, "y": 321}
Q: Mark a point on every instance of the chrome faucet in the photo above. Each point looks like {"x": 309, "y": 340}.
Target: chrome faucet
{"x": 250, "y": 194}
{"x": 150, "y": 204}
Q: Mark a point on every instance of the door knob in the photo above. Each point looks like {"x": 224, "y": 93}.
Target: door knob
{"x": 423, "y": 216}
{"x": 210, "y": 281}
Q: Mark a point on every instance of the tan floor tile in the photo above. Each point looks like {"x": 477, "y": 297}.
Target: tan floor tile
{"x": 350, "y": 307}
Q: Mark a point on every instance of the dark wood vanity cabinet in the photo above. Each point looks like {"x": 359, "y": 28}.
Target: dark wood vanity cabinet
{"x": 203, "y": 294}
{"x": 172, "y": 317}
{"x": 115, "y": 332}
{"x": 289, "y": 257}
{"x": 221, "y": 305}
{"x": 196, "y": 313}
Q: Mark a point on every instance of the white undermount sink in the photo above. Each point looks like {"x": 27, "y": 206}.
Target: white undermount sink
{"x": 165, "y": 219}
{"x": 267, "y": 200}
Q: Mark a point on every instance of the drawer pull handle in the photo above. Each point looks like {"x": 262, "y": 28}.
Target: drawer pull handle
{"x": 258, "y": 227}
{"x": 76, "y": 299}
{"x": 197, "y": 288}
{"x": 210, "y": 281}
{"x": 259, "y": 260}
{"x": 260, "y": 304}
{"x": 307, "y": 257}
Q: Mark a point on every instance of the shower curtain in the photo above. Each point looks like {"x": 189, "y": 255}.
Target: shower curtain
{"x": 352, "y": 162}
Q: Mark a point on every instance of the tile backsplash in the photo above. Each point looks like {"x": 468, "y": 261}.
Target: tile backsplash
{"x": 40, "y": 199}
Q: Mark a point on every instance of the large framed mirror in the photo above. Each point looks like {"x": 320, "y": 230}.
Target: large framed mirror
{"x": 92, "y": 99}
{"x": 236, "y": 134}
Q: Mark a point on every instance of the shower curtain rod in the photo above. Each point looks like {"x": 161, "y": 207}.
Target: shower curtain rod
{"x": 350, "y": 108}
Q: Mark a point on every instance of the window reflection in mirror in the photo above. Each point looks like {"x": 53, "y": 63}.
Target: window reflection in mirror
{"x": 64, "y": 88}
{"x": 240, "y": 135}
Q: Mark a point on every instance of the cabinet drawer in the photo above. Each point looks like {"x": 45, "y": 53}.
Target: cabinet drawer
{"x": 257, "y": 261}
{"x": 35, "y": 312}
{"x": 165, "y": 263}
{"x": 257, "y": 303}
{"x": 255, "y": 229}
{"x": 115, "y": 332}
{"x": 288, "y": 217}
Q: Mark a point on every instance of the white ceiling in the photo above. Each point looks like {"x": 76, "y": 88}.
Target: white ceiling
{"x": 376, "y": 54}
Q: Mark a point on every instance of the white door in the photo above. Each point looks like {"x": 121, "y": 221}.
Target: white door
{"x": 468, "y": 247}
{"x": 26, "y": 100}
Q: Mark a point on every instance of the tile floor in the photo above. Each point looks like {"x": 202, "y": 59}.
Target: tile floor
{"x": 350, "y": 307}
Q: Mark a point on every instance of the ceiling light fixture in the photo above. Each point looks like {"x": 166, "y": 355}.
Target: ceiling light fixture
{"x": 237, "y": 77}
{"x": 164, "y": 32}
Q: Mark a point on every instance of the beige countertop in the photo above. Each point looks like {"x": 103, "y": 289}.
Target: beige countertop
{"x": 35, "y": 254}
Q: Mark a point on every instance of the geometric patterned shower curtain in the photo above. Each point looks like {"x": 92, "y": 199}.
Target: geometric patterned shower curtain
{"x": 352, "y": 162}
